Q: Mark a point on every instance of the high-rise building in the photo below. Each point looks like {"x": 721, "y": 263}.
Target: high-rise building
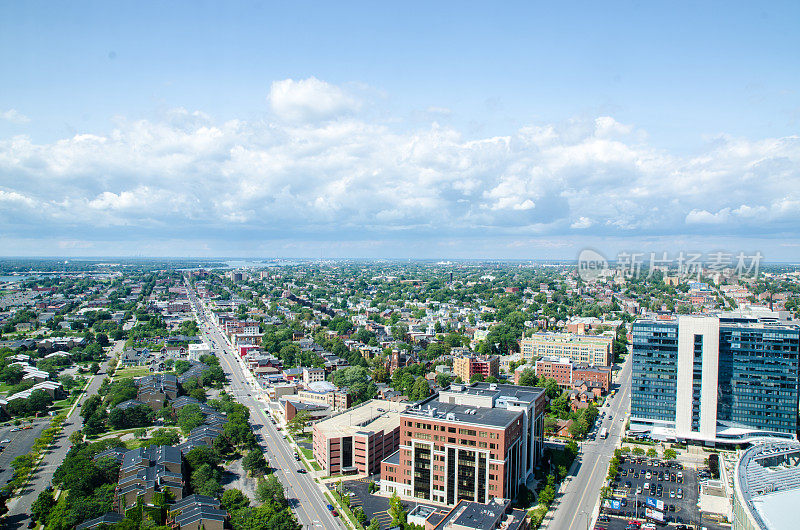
{"x": 472, "y": 442}
{"x": 588, "y": 349}
{"x": 726, "y": 378}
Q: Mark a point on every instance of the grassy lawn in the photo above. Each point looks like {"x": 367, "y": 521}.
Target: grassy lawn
{"x": 132, "y": 371}
{"x": 308, "y": 453}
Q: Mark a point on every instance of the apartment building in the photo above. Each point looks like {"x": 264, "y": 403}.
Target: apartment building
{"x": 727, "y": 378}
{"x": 589, "y": 349}
{"x": 146, "y": 471}
{"x": 312, "y": 375}
{"x": 567, "y": 374}
{"x": 466, "y": 366}
{"x": 469, "y": 442}
{"x": 357, "y": 440}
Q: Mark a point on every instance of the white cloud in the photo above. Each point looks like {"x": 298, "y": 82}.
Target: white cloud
{"x": 308, "y": 175}
{"x": 14, "y": 116}
{"x": 309, "y": 100}
{"x": 581, "y": 223}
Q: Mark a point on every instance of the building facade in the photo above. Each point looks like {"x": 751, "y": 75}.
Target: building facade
{"x": 357, "y": 440}
{"x": 468, "y": 365}
{"x": 475, "y": 443}
{"x": 725, "y": 378}
{"x": 588, "y": 349}
{"x": 766, "y": 487}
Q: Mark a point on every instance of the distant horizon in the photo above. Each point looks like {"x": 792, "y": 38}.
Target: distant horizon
{"x": 568, "y": 261}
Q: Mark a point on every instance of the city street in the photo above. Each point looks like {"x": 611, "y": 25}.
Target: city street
{"x": 19, "y": 507}
{"x": 575, "y": 505}
{"x": 303, "y": 493}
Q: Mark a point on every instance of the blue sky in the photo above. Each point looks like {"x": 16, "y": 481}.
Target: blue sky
{"x": 461, "y": 129}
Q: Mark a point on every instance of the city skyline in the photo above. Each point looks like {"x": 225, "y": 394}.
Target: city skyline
{"x": 528, "y": 132}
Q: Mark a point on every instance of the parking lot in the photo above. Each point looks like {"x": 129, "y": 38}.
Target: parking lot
{"x": 374, "y": 507}
{"x": 668, "y": 483}
{"x": 20, "y": 441}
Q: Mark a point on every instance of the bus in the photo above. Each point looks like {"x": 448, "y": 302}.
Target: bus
{"x": 603, "y": 433}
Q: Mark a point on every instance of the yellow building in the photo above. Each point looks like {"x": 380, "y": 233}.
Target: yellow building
{"x": 589, "y": 349}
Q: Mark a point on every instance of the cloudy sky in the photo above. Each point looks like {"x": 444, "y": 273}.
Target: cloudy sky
{"x": 343, "y": 129}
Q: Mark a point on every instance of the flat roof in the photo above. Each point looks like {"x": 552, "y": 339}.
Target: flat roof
{"x": 767, "y": 480}
{"x": 491, "y": 417}
{"x": 374, "y": 415}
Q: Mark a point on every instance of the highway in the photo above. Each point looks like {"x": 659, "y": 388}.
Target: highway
{"x": 576, "y": 505}
{"x": 304, "y": 494}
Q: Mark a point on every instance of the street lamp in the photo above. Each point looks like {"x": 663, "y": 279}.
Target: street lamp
{"x": 587, "y": 518}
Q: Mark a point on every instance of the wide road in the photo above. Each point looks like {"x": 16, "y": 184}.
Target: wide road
{"x": 304, "y": 494}
{"x": 19, "y": 507}
{"x": 581, "y": 493}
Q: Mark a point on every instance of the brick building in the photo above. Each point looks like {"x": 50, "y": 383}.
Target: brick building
{"x": 469, "y": 442}
{"x": 468, "y": 365}
{"x": 358, "y": 439}
{"x": 589, "y": 349}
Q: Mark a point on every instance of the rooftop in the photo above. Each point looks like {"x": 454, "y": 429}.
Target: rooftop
{"x": 374, "y": 415}
{"x": 768, "y": 481}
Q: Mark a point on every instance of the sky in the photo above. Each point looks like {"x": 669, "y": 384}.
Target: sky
{"x": 524, "y": 130}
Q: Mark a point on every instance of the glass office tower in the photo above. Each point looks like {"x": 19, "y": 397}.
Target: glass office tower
{"x": 724, "y": 378}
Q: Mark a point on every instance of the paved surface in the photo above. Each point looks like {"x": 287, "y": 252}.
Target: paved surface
{"x": 305, "y": 496}
{"x": 678, "y": 511}
{"x": 20, "y": 506}
{"x": 579, "y": 496}
{"x": 375, "y": 507}
{"x": 19, "y": 443}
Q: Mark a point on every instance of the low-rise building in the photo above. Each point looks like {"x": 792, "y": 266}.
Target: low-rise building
{"x": 358, "y": 439}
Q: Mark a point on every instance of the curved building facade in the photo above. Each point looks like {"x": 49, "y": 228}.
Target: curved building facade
{"x": 766, "y": 489}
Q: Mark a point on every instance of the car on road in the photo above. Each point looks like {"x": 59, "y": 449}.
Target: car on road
{"x": 302, "y": 471}
{"x": 330, "y": 507}
{"x": 4, "y": 441}
{"x": 334, "y": 513}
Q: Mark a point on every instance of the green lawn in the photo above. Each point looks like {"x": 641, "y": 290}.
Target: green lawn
{"x": 132, "y": 371}
{"x": 308, "y": 453}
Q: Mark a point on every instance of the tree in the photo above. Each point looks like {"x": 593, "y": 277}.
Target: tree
{"x": 670, "y": 454}
{"x": 528, "y": 378}
{"x": 271, "y": 490}
{"x": 254, "y": 462}
{"x": 234, "y": 499}
{"x": 476, "y": 378}
{"x": 95, "y": 368}
{"x": 551, "y": 387}
{"x": 76, "y": 437}
{"x": 652, "y": 453}
{"x": 550, "y": 424}
{"x": 190, "y": 417}
{"x": 444, "y": 380}
{"x": 397, "y": 512}
{"x": 39, "y": 401}
{"x": 360, "y": 515}
{"x": 420, "y": 389}
{"x": 164, "y": 437}
{"x": 638, "y": 451}
{"x": 42, "y": 506}
{"x": 374, "y": 524}
{"x": 298, "y": 424}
